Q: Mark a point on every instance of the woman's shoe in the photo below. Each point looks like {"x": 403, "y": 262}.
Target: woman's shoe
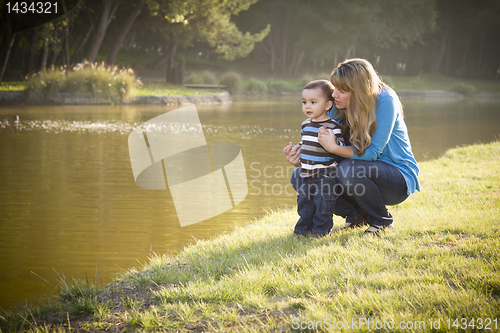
{"x": 375, "y": 229}
{"x": 363, "y": 220}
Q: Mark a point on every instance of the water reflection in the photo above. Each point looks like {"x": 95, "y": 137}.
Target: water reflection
{"x": 69, "y": 203}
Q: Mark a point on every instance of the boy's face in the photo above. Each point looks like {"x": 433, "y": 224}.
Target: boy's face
{"x": 315, "y": 104}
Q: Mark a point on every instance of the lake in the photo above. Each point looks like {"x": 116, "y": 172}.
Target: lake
{"x": 69, "y": 204}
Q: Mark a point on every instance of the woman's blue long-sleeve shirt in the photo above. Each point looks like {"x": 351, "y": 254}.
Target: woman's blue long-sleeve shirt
{"x": 390, "y": 142}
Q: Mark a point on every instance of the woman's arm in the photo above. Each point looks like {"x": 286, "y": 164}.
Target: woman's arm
{"x": 292, "y": 154}
{"x": 387, "y": 111}
{"x": 388, "y": 108}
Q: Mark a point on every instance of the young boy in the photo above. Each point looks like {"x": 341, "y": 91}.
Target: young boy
{"x": 316, "y": 199}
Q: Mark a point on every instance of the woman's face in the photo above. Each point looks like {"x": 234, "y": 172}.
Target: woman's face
{"x": 341, "y": 98}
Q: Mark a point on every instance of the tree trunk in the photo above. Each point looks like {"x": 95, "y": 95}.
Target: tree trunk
{"x": 55, "y": 50}
{"x": 106, "y": 15}
{"x": 436, "y": 65}
{"x": 448, "y": 58}
{"x": 15, "y": 49}
{"x": 45, "y": 51}
{"x": 7, "y": 54}
{"x": 292, "y": 65}
{"x": 481, "y": 48}
{"x": 297, "y": 66}
{"x": 285, "y": 40}
{"x": 123, "y": 33}
{"x": 170, "y": 66}
{"x": 463, "y": 62}
{"x": 82, "y": 44}
{"x": 158, "y": 62}
{"x": 349, "y": 51}
{"x": 31, "y": 52}
{"x": 66, "y": 46}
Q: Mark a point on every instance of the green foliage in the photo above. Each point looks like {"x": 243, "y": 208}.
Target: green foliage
{"x": 13, "y": 86}
{"x": 232, "y": 81}
{"x": 203, "y": 77}
{"x": 282, "y": 86}
{"x": 257, "y": 86}
{"x": 184, "y": 21}
{"x": 82, "y": 297}
{"x": 306, "y": 78}
{"x": 207, "y": 77}
{"x": 97, "y": 80}
{"x": 131, "y": 304}
{"x": 193, "y": 79}
{"x": 464, "y": 89}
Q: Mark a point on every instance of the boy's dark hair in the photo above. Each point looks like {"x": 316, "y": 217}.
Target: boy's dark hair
{"x": 325, "y": 85}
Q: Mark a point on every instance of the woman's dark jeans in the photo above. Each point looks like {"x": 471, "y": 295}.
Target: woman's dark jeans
{"x": 365, "y": 187}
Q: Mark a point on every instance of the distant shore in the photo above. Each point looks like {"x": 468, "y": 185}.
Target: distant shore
{"x": 18, "y": 98}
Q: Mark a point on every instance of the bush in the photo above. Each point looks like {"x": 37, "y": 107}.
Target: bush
{"x": 232, "y": 81}
{"x": 193, "y": 79}
{"x": 277, "y": 87}
{"x": 464, "y": 89}
{"x": 207, "y": 77}
{"x": 98, "y": 80}
{"x": 306, "y": 78}
{"x": 257, "y": 87}
{"x": 204, "y": 77}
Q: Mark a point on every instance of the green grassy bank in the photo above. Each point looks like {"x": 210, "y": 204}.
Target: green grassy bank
{"x": 440, "y": 264}
{"x": 253, "y": 86}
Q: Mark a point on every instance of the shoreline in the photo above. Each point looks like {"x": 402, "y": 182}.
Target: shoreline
{"x": 18, "y": 98}
{"x": 432, "y": 267}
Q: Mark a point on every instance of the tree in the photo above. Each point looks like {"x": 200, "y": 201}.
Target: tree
{"x": 124, "y": 31}
{"x": 108, "y": 10}
{"x": 326, "y": 30}
{"x": 181, "y": 23}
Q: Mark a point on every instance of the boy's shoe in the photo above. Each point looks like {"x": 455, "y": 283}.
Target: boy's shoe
{"x": 375, "y": 229}
{"x": 363, "y": 220}
{"x": 318, "y": 235}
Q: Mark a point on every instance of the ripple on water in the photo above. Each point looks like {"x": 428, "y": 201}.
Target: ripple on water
{"x": 125, "y": 127}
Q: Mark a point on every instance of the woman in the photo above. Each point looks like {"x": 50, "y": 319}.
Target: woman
{"x": 379, "y": 168}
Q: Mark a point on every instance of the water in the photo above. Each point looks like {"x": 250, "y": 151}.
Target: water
{"x": 69, "y": 204}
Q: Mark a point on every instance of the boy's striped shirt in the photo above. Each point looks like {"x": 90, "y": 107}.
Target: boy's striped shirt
{"x": 314, "y": 159}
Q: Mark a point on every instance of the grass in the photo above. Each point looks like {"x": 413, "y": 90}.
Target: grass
{"x": 251, "y": 86}
{"x": 159, "y": 88}
{"x": 13, "y": 86}
{"x": 441, "y": 82}
{"x": 151, "y": 87}
{"x": 96, "y": 80}
{"x": 440, "y": 263}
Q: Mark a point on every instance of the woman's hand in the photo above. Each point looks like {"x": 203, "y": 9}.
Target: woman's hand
{"x": 292, "y": 154}
{"x": 326, "y": 139}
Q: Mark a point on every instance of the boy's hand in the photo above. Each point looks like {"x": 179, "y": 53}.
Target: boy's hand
{"x": 326, "y": 139}
{"x": 292, "y": 154}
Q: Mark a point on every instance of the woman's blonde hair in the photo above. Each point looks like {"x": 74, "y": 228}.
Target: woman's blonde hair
{"x": 358, "y": 77}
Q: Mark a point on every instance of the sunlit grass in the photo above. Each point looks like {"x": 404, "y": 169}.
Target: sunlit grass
{"x": 96, "y": 80}
{"x": 13, "y": 86}
{"x": 157, "y": 88}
